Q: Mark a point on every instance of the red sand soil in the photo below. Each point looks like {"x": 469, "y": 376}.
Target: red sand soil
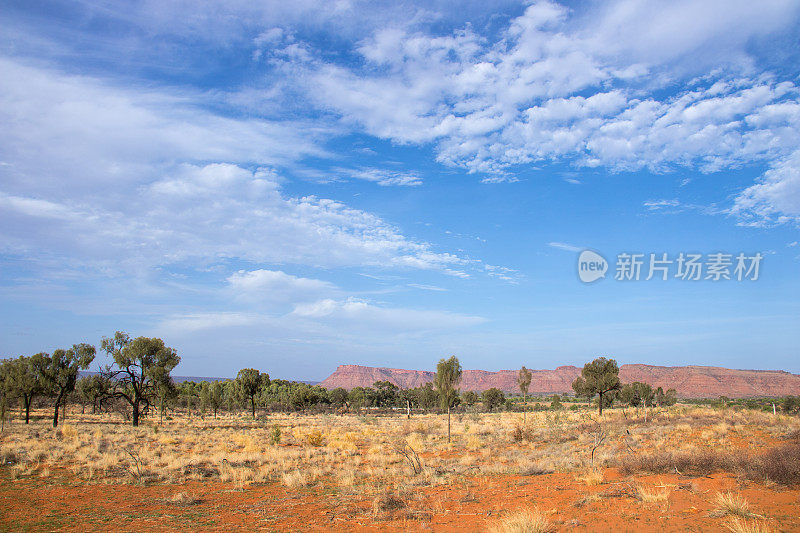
{"x": 62, "y": 503}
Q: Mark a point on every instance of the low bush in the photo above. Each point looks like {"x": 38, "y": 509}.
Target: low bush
{"x": 780, "y": 464}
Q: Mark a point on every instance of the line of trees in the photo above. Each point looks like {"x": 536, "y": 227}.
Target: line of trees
{"x": 138, "y": 375}
{"x": 138, "y": 382}
{"x": 43, "y": 375}
{"x": 601, "y": 378}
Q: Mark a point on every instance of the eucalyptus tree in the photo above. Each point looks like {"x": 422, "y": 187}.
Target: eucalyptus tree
{"x": 599, "y": 377}
{"x": 59, "y": 372}
{"x": 248, "y": 384}
{"x": 140, "y": 368}
{"x": 23, "y": 380}
{"x": 92, "y": 389}
{"x": 448, "y": 376}
{"x": 524, "y": 382}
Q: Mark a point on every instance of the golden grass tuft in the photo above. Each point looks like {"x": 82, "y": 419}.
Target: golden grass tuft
{"x": 730, "y": 504}
{"x": 528, "y": 521}
{"x": 652, "y": 496}
{"x": 183, "y": 499}
{"x": 591, "y": 477}
{"x": 740, "y": 525}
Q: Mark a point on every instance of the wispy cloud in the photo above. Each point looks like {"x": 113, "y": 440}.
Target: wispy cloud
{"x": 564, "y": 246}
{"x": 427, "y": 287}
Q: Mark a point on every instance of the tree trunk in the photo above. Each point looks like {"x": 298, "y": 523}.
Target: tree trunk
{"x": 253, "y": 405}
{"x": 408, "y": 409}
{"x": 27, "y": 402}
{"x": 600, "y": 404}
{"x": 55, "y": 413}
{"x": 448, "y": 423}
{"x": 136, "y": 413}
{"x": 524, "y": 407}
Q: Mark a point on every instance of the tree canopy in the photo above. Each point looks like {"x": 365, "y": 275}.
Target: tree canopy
{"x": 141, "y": 366}
{"x": 448, "y": 376}
{"x": 599, "y": 377}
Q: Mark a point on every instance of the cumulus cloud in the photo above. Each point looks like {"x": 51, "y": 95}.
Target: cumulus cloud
{"x": 776, "y": 198}
{"x": 123, "y": 183}
{"x": 217, "y": 211}
{"x": 554, "y": 87}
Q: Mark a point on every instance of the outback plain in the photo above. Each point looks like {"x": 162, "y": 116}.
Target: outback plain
{"x": 677, "y": 468}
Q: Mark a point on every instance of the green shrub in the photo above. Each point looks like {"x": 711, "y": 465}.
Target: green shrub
{"x": 275, "y": 434}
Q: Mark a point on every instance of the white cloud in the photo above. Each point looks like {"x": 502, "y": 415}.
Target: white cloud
{"x": 387, "y": 178}
{"x": 362, "y": 315}
{"x": 217, "y": 211}
{"x": 186, "y": 324}
{"x": 122, "y": 183}
{"x": 558, "y": 87}
{"x": 427, "y": 287}
{"x": 78, "y": 135}
{"x": 275, "y": 285}
{"x": 776, "y": 198}
{"x": 564, "y": 246}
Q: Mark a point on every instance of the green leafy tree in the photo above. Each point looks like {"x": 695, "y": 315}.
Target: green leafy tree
{"x": 216, "y": 396}
{"x": 469, "y": 398}
{"x": 248, "y": 384}
{"x": 599, "y": 377}
{"x": 359, "y": 397}
{"x": 386, "y": 394}
{"x": 140, "y": 367}
{"x": 668, "y": 398}
{"x": 92, "y": 389}
{"x": 493, "y": 398}
{"x": 426, "y": 396}
{"x": 448, "y": 376}
{"x": 23, "y": 380}
{"x": 166, "y": 392}
{"x": 524, "y": 382}
{"x": 59, "y": 372}
{"x": 5, "y": 390}
{"x": 339, "y": 397}
{"x": 791, "y": 405}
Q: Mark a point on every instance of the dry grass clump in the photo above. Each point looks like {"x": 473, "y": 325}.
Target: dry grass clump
{"x": 528, "y": 521}
{"x": 652, "y": 496}
{"x": 182, "y": 499}
{"x": 295, "y": 479}
{"x": 730, "y": 504}
{"x": 521, "y": 433}
{"x": 740, "y": 525}
{"x": 315, "y": 438}
{"x": 591, "y": 477}
{"x": 386, "y": 503}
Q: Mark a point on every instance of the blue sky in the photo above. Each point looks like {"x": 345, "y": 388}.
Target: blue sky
{"x": 297, "y": 185}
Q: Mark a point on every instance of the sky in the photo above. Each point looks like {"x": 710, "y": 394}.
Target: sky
{"x": 291, "y": 186}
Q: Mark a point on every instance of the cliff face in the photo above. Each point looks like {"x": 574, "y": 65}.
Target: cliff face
{"x": 688, "y": 381}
